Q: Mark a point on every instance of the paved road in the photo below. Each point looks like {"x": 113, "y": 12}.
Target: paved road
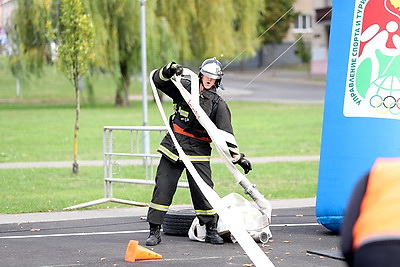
{"x": 280, "y": 86}
{"x": 277, "y": 86}
{"x": 76, "y": 239}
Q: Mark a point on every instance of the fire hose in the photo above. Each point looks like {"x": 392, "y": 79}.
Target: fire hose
{"x": 219, "y": 138}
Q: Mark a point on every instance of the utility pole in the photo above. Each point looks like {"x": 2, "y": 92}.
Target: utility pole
{"x": 146, "y": 142}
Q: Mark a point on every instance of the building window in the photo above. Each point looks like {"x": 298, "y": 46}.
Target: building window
{"x": 302, "y": 24}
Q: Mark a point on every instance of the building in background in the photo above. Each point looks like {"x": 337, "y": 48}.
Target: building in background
{"x": 301, "y": 30}
{"x": 6, "y": 8}
{"x": 311, "y": 27}
{"x": 313, "y": 23}
{"x": 320, "y": 39}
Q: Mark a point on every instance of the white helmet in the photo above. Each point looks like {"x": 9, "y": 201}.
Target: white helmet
{"x": 212, "y": 68}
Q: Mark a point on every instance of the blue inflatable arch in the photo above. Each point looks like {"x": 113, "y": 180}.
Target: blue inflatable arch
{"x": 362, "y": 101}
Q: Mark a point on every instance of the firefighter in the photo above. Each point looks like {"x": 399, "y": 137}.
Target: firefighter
{"x": 195, "y": 142}
{"x": 370, "y": 234}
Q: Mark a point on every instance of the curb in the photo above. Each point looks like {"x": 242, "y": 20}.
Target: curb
{"x": 123, "y": 212}
{"x": 68, "y": 164}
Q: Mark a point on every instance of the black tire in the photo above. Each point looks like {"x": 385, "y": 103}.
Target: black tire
{"x": 178, "y": 221}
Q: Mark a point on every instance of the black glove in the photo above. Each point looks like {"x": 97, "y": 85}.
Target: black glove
{"x": 244, "y": 163}
{"x": 170, "y": 69}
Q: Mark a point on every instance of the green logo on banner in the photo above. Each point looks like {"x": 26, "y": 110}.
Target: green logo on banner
{"x": 373, "y": 75}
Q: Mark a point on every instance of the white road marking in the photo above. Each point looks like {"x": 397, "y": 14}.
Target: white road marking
{"x": 294, "y": 224}
{"x": 73, "y": 234}
{"x": 126, "y": 232}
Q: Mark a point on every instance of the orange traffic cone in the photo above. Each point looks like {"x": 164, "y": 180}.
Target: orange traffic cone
{"x": 136, "y": 252}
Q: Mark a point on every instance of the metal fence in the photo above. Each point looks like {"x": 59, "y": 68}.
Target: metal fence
{"x": 124, "y": 148}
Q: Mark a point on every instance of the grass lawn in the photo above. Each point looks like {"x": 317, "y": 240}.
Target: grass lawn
{"x": 39, "y": 125}
{"x": 45, "y": 132}
{"x": 52, "y": 189}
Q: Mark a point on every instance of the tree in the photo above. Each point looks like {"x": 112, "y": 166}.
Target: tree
{"x": 161, "y": 44}
{"x": 117, "y": 35}
{"x": 303, "y": 50}
{"x": 181, "y": 19}
{"x": 246, "y": 23}
{"x": 207, "y": 28}
{"x": 215, "y": 32}
{"x": 118, "y": 44}
{"x": 27, "y": 32}
{"x": 274, "y": 23}
{"x": 274, "y": 10}
{"x": 74, "y": 52}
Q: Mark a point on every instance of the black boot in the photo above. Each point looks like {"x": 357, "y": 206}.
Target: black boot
{"x": 155, "y": 235}
{"x": 212, "y": 235}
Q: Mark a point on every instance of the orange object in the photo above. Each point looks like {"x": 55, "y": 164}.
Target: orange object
{"x": 379, "y": 216}
{"x": 135, "y": 252}
{"x": 179, "y": 130}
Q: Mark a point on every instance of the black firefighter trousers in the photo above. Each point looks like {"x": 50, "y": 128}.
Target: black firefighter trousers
{"x": 168, "y": 174}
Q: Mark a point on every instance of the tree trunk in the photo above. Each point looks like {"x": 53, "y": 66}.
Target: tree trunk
{"x": 75, "y": 165}
{"x": 125, "y": 85}
{"x": 261, "y": 57}
{"x": 122, "y": 97}
{"x": 118, "y": 97}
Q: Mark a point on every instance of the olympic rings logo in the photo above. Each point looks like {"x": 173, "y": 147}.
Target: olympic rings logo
{"x": 385, "y": 105}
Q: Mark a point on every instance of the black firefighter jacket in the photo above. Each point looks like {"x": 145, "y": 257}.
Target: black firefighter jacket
{"x": 190, "y": 134}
